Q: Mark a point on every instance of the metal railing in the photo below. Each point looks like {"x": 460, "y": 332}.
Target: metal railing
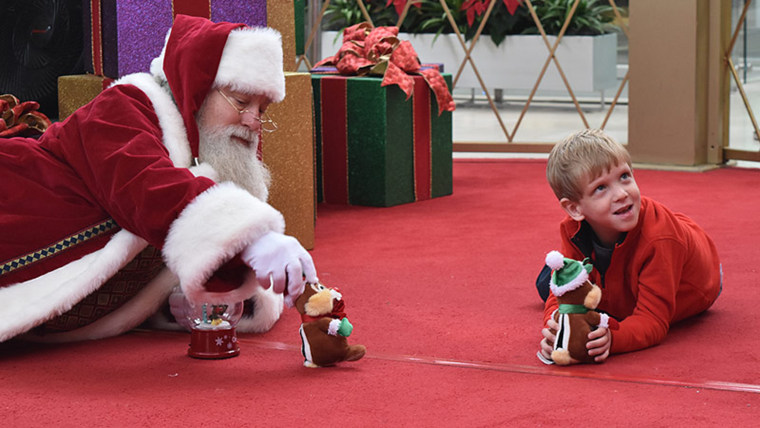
{"x": 510, "y": 144}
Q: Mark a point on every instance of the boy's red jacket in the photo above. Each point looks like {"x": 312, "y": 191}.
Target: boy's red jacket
{"x": 665, "y": 270}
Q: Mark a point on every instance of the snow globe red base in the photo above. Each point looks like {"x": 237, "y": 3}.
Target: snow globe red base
{"x": 212, "y": 327}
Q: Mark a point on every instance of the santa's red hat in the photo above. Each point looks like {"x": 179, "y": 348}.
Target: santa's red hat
{"x": 200, "y": 54}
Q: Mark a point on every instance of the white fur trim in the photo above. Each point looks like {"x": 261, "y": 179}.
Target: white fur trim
{"x": 173, "y": 128}
{"x": 157, "y": 64}
{"x": 604, "y": 321}
{"x": 30, "y": 303}
{"x": 133, "y": 312}
{"x": 210, "y": 231}
{"x": 267, "y": 308}
{"x": 332, "y": 330}
{"x": 570, "y": 286}
{"x": 555, "y": 260}
{"x": 252, "y": 62}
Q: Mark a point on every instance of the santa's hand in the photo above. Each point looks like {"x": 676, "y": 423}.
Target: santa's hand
{"x": 281, "y": 261}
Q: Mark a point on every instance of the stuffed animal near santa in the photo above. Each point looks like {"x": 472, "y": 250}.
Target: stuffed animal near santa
{"x": 325, "y": 328}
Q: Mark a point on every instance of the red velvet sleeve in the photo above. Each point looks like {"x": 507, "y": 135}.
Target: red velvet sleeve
{"x": 115, "y": 145}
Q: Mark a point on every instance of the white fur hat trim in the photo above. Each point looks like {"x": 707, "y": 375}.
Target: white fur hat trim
{"x": 252, "y": 63}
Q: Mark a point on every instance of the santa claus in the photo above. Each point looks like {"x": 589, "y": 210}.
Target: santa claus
{"x": 153, "y": 184}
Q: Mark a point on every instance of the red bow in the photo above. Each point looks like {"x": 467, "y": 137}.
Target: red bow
{"x": 378, "y": 51}
{"x": 19, "y": 119}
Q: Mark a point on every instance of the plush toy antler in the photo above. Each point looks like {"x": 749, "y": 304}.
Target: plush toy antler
{"x": 324, "y": 327}
{"x": 577, "y": 298}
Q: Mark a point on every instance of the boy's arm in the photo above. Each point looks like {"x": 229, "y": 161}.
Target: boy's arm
{"x": 658, "y": 281}
{"x": 658, "y": 277}
{"x": 550, "y": 306}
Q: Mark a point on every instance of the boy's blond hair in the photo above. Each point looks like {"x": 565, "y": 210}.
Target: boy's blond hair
{"x": 586, "y": 154}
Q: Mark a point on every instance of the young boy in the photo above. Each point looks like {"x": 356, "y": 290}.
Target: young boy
{"x": 654, "y": 266}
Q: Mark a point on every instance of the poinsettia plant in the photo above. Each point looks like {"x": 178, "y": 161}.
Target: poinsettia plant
{"x": 507, "y": 17}
{"x": 473, "y": 7}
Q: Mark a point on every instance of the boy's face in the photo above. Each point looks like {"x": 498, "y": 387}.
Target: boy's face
{"x": 610, "y": 203}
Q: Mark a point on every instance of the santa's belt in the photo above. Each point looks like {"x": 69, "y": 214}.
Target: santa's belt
{"x": 57, "y": 247}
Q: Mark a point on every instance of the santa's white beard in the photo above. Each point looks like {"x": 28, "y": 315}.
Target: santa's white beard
{"x": 234, "y": 161}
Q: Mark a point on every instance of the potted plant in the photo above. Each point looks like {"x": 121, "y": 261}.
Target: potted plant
{"x": 429, "y": 17}
{"x": 510, "y": 52}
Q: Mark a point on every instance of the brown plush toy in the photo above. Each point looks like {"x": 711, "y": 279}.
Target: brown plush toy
{"x": 324, "y": 328}
{"x": 577, "y": 298}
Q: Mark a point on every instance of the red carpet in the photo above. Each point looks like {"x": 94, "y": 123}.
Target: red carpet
{"x": 441, "y": 292}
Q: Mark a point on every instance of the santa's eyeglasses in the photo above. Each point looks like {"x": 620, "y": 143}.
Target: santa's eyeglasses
{"x": 267, "y": 124}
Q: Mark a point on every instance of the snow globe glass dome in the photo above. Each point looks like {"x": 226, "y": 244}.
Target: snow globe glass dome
{"x": 211, "y": 325}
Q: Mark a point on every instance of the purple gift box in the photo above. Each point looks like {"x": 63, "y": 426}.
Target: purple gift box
{"x": 134, "y": 31}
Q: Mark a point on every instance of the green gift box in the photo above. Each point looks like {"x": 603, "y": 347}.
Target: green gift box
{"x": 299, "y": 7}
{"x": 375, "y": 147}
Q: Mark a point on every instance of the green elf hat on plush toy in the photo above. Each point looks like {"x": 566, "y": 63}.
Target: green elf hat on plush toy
{"x": 567, "y": 274}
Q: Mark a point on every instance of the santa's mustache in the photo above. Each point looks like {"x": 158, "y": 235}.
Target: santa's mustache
{"x": 234, "y": 161}
{"x": 242, "y": 132}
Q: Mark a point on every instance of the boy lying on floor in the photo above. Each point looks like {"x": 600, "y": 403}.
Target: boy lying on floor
{"x": 655, "y": 267}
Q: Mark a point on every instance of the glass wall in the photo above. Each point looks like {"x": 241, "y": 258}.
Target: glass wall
{"x": 746, "y": 58}
{"x": 497, "y": 104}
{"x": 552, "y": 113}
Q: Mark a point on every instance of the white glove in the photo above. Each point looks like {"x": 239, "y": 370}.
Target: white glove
{"x": 278, "y": 259}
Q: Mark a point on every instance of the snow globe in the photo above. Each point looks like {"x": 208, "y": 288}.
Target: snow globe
{"x": 211, "y": 325}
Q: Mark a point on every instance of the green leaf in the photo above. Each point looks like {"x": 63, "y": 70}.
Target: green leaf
{"x": 590, "y": 17}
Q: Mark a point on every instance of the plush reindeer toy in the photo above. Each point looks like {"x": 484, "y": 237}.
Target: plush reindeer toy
{"x": 577, "y": 298}
{"x": 325, "y": 328}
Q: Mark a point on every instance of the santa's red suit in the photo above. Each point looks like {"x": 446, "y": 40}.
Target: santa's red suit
{"x": 102, "y": 192}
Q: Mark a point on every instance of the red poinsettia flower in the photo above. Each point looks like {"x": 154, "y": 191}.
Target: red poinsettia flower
{"x": 400, "y": 4}
{"x": 512, "y": 5}
{"x": 478, "y": 7}
{"x": 473, "y": 7}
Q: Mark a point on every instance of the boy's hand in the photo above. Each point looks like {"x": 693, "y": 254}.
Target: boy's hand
{"x": 547, "y": 343}
{"x": 599, "y": 343}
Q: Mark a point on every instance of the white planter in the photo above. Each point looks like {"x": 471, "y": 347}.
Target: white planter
{"x": 589, "y": 62}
